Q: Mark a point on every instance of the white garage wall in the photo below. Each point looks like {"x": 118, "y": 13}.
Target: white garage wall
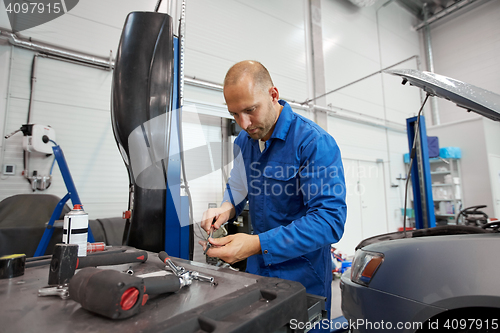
{"x": 467, "y": 48}
{"x": 93, "y": 26}
{"x": 221, "y": 33}
{"x": 476, "y": 187}
{"x": 5, "y": 55}
{"x": 202, "y": 146}
{"x": 74, "y": 101}
{"x": 357, "y": 42}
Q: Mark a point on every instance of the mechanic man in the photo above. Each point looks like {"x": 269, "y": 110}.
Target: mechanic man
{"x": 290, "y": 171}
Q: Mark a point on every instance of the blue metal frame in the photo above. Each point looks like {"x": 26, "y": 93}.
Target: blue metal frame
{"x": 418, "y": 195}
{"x": 75, "y": 199}
{"x": 176, "y": 227}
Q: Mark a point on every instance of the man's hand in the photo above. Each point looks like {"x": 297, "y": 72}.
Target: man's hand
{"x": 233, "y": 248}
{"x": 222, "y": 214}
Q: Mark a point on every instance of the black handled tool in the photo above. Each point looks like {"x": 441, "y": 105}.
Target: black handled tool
{"x": 117, "y": 295}
{"x": 65, "y": 261}
{"x": 112, "y": 259}
{"x": 177, "y": 270}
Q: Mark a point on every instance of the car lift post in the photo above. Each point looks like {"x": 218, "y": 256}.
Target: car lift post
{"x": 75, "y": 199}
{"x": 421, "y": 175}
{"x": 177, "y": 233}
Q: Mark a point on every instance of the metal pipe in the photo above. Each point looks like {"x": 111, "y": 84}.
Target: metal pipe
{"x": 381, "y": 122}
{"x": 385, "y": 4}
{"x": 193, "y": 81}
{"x": 7, "y": 107}
{"x": 445, "y": 12}
{"x": 427, "y": 37}
{"x": 430, "y": 64}
{"x": 76, "y": 62}
{"x": 169, "y": 9}
{"x": 58, "y": 52}
{"x": 174, "y": 10}
{"x": 32, "y": 86}
{"x": 300, "y": 106}
{"x": 26, "y": 154}
{"x": 309, "y": 48}
{"x": 53, "y": 52}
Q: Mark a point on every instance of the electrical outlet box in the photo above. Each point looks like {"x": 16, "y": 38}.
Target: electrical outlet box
{"x": 9, "y": 169}
{"x": 37, "y": 139}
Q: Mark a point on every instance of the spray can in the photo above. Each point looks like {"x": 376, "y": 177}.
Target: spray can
{"x": 95, "y": 247}
{"x": 76, "y": 227}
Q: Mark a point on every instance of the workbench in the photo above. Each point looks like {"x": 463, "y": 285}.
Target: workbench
{"x": 241, "y": 302}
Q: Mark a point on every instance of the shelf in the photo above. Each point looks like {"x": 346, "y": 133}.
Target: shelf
{"x": 444, "y": 173}
{"x": 442, "y": 160}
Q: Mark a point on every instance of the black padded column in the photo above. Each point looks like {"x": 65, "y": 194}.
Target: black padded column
{"x": 141, "y": 97}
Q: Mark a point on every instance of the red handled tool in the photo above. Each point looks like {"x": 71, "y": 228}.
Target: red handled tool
{"x": 117, "y": 295}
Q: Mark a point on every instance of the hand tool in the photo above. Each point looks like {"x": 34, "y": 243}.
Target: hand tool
{"x": 12, "y": 265}
{"x": 181, "y": 272}
{"x": 129, "y": 271}
{"x": 61, "y": 291}
{"x": 65, "y": 261}
{"x": 201, "y": 277}
{"x": 116, "y": 295}
{"x": 210, "y": 236}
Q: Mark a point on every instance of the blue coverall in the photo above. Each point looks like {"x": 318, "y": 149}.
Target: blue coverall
{"x": 296, "y": 194}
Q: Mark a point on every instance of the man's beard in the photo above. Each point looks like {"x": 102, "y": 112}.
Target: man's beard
{"x": 263, "y": 131}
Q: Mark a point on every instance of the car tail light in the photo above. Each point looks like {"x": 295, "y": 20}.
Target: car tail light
{"x": 365, "y": 266}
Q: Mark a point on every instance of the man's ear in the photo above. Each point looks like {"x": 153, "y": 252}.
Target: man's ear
{"x": 274, "y": 93}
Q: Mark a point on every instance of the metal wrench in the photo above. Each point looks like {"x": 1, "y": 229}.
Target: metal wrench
{"x": 182, "y": 273}
{"x": 61, "y": 291}
{"x": 205, "y": 278}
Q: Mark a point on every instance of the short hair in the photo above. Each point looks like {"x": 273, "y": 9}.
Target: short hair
{"x": 255, "y": 69}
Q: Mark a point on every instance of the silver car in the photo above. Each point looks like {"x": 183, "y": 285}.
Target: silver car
{"x": 441, "y": 279}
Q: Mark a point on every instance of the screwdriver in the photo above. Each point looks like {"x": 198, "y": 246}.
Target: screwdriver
{"x": 209, "y": 236}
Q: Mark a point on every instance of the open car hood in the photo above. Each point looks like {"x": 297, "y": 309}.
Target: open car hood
{"x": 465, "y": 95}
